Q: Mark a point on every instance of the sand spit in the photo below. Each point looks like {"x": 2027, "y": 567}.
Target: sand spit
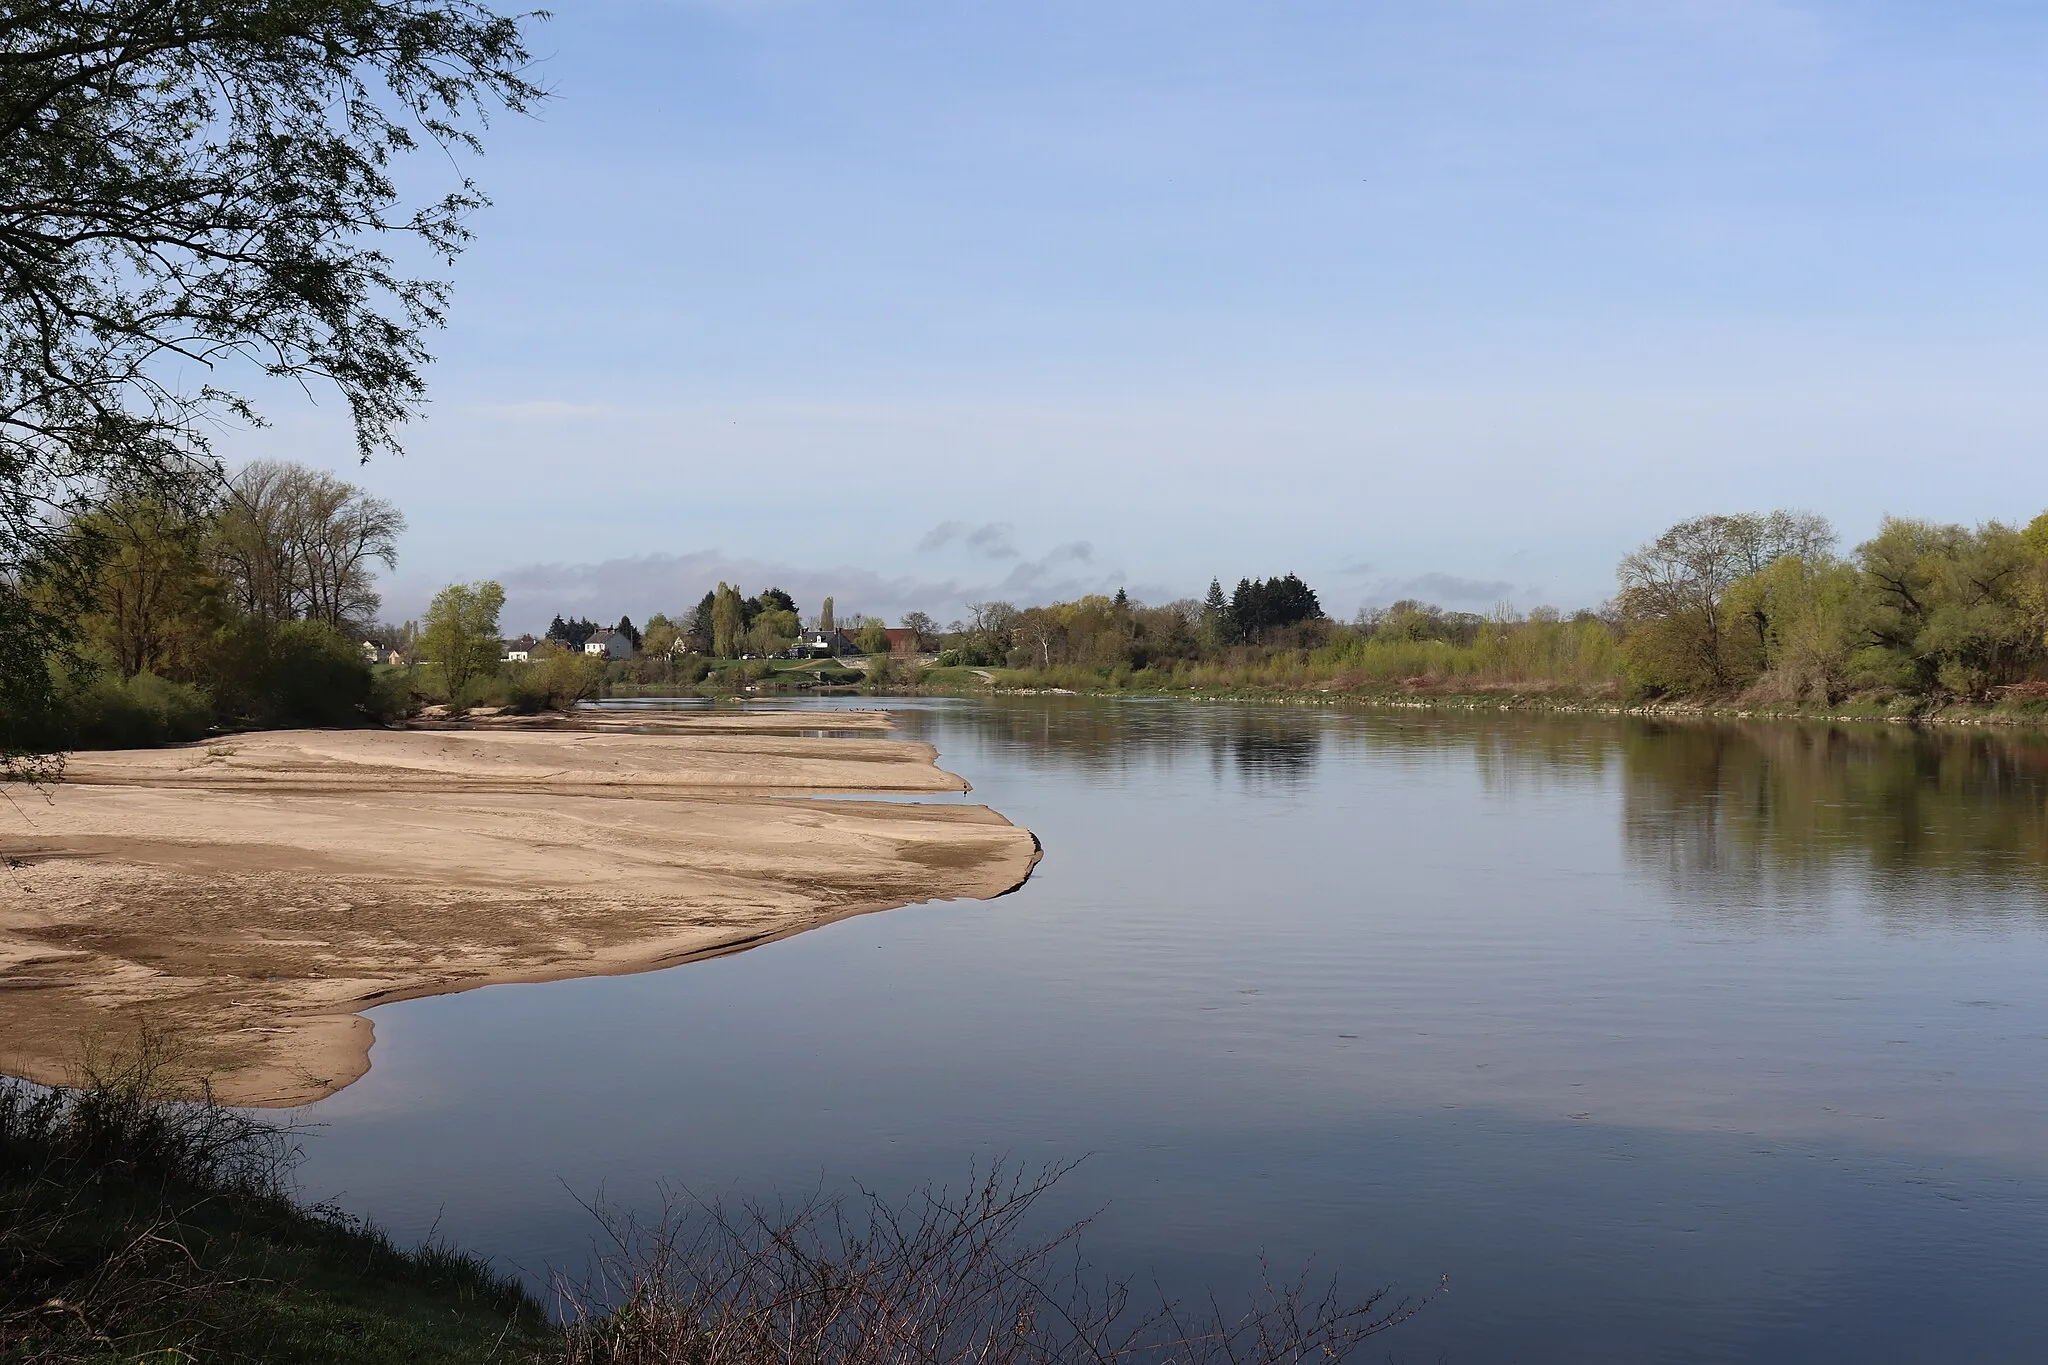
{"x": 253, "y": 894}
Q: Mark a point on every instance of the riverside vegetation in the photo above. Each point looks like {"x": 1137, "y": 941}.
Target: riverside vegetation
{"x": 239, "y": 610}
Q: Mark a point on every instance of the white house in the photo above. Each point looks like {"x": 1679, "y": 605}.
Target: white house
{"x": 609, "y": 644}
{"x": 520, "y": 651}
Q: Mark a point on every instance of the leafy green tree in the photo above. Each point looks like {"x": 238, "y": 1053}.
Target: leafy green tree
{"x": 149, "y": 598}
{"x": 1949, "y": 604}
{"x": 196, "y": 190}
{"x": 771, "y": 633}
{"x": 461, "y": 633}
{"x": 728, "y": 620}
{"x": 825, "y": 622}
{"x": 557, "y": 678}
{"x": 1681, "y": 628}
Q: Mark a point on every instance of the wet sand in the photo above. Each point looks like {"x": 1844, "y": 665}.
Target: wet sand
{"x": 251, "y": 896}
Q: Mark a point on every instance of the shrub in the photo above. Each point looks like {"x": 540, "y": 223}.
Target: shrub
{"x": 294, "y": 673}
{"x": 555, "y": 681}
{"x": 143, "y": 711}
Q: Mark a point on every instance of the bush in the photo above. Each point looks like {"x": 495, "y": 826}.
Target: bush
{"x": 143, "y": 711}
{"x": 294, "y": 673}
{"x": 555, "y": 681}
{"x": 393, "y": 695}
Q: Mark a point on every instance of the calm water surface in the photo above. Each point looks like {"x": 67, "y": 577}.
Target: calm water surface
{"x": 1688, "y": 1043}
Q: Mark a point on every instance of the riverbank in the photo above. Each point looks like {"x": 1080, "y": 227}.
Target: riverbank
{"x": 2024, "y": 706}
{"x": 254, "y": 895}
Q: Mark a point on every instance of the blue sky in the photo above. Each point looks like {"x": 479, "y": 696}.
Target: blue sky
{"x": 924, "y": 303}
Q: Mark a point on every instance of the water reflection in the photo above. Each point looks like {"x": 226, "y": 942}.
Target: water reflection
{"x": 1757, "y": 819}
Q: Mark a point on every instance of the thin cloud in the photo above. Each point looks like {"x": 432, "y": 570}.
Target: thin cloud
{"x": 991, "y": 540}
{"x": 942, "y": 535}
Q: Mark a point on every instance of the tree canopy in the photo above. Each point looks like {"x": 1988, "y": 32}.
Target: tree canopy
{"x": 201, "y": 194}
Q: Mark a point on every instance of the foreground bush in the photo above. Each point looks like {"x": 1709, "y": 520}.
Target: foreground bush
{"x": 938, "y": 1279}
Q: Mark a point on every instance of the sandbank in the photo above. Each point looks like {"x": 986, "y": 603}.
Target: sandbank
{"x": 251, "y": 896}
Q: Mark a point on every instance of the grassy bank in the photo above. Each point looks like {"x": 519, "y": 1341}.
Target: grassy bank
{"x": 135, "y": 1226}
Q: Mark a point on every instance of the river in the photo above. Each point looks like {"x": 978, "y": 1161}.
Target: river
{"x": 1664, "y": 1042}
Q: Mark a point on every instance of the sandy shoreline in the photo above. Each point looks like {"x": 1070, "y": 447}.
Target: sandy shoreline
{"x": 253, "y": 895}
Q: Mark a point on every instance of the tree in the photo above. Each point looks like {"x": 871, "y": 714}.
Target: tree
{"x": 775, "y": 599}
{"x": 149, "y": 600}
{"x": 462, "y": 633}
{"x": 626, "y": 628}
{"x": 1671, "y": 591}
{"x": 825, "y": 618}
{"x": 572, "y": 633}
{"x": 873, "y": 636}
{"x": 1695, "y": 604}
{"x": 921, "y": 626}
{"x": 202, "y": 189}
{"x": 771, "y": 632}
{"x": 298, "y": 544}
{"x": 557, "y": 679}
{"x": 702, "y": 624}
{"x": 728, "y": 619}
{"x": 1949, "y": 604}
{"x": 1261, "y": 606}
{"x": 1215, "y": 615}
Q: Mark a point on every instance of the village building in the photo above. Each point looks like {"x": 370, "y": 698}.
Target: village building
{"x": 609, "y": 644}
{"x": 520, "y": 651}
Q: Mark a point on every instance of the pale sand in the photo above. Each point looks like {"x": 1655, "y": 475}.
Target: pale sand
{"x": 251, "y": 895}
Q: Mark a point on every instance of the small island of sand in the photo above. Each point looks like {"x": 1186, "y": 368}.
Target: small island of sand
{"x": 252, "y": 895}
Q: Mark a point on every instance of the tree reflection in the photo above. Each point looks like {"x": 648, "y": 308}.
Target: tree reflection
{"x": 1746, "y": 817}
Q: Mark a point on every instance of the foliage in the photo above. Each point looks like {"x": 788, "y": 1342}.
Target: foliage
{"x": 1761, "y": 604}
{"x": 102, "y": 710}
{"x": 1261, "y": 606}
{"x": 555, "y": 680}
{"x": 196, "y": 193}
{"x": 461, "y": 633}
{"x": 727, "y": 621}
{"x": 571, "y": 633}
{"x": 291, "y": 673}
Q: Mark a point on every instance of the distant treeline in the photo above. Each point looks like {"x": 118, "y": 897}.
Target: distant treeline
{"x": 253, "y": 604}
{"x": 1758, "y": 607}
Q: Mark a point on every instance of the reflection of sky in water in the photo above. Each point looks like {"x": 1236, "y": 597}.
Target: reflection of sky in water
{"x": 1654, "y": 1044}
